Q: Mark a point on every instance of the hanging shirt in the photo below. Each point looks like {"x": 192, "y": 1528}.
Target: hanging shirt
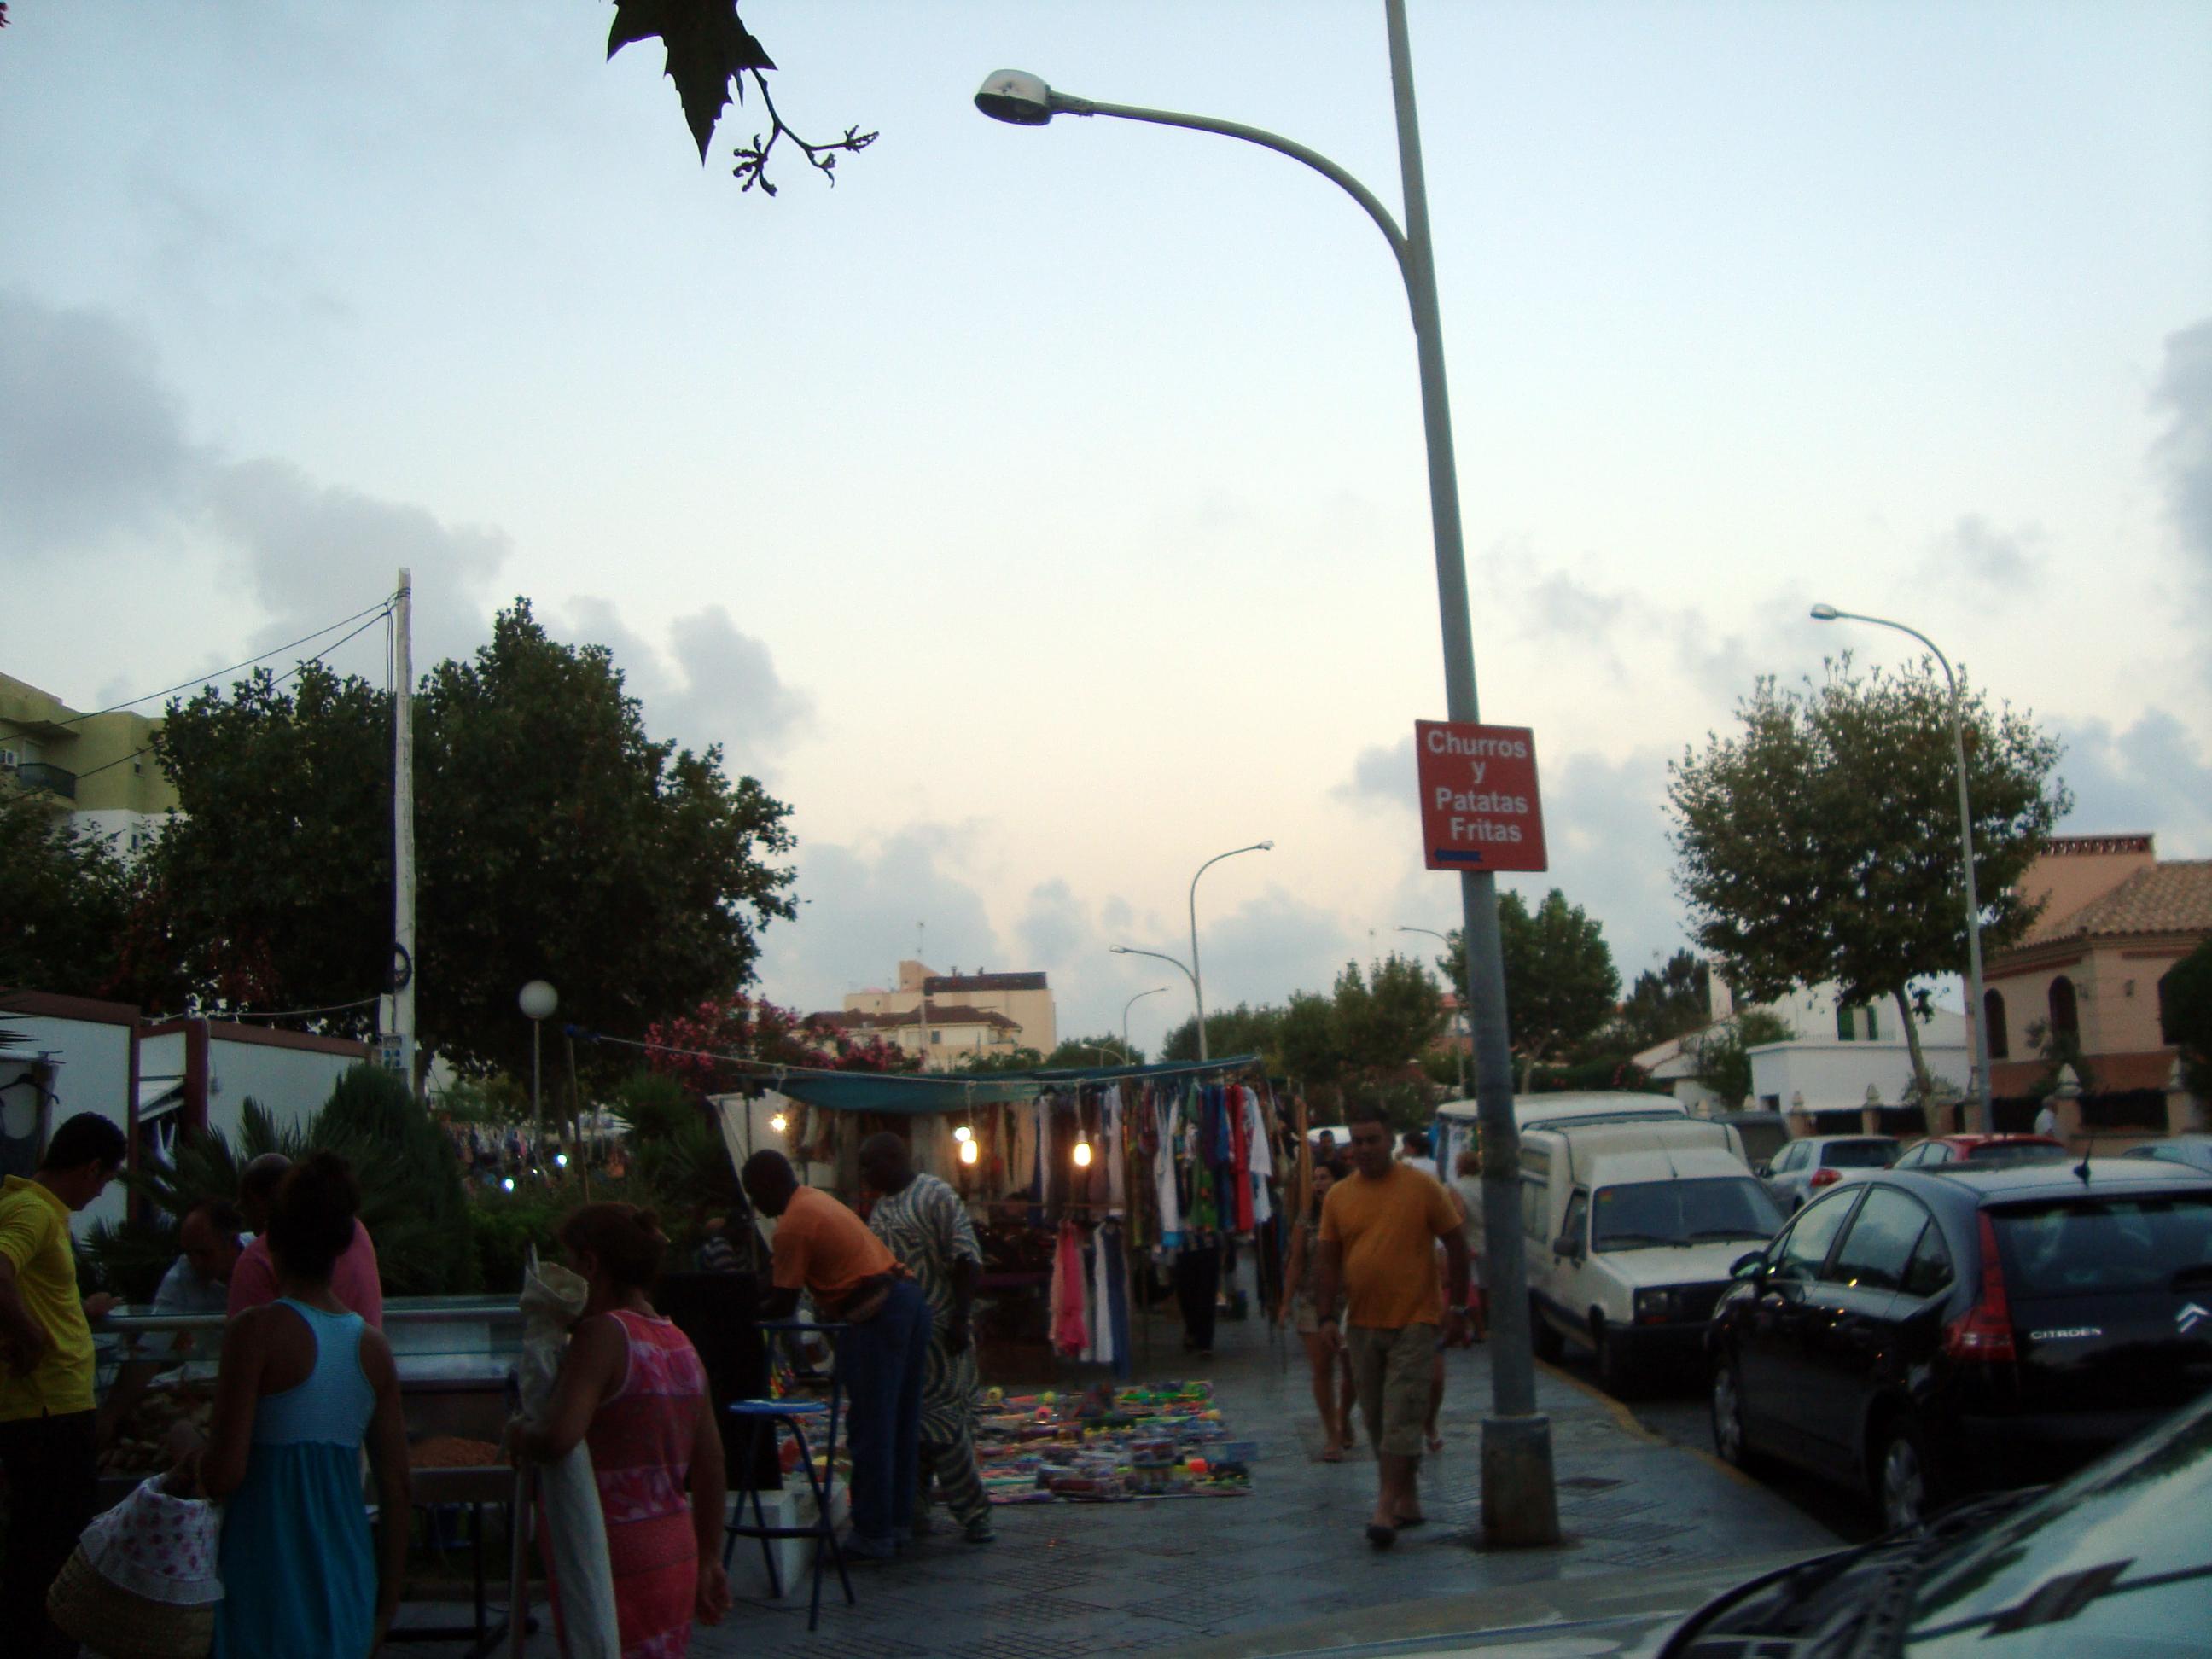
{"x": 1163, "y": 1105}
{"x": 1117, "y": 1197}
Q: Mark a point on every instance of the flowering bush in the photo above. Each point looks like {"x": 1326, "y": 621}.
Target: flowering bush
{"x": 752, "y": 1028}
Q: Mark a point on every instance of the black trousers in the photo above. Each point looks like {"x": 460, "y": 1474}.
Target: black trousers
{"x": 52, "y": 1474}
{"x": 1197, "y": 1282}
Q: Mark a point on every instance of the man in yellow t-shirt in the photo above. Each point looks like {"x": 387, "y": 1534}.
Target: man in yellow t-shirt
{"x": 1379, "y": 1232}
{"x": 46, "y": 1443}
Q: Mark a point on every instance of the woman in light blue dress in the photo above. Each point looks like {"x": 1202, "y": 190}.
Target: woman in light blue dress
{"x": 304, "y": 1383}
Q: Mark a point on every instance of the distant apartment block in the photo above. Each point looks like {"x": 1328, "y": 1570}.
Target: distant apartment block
{"x": 945, "y": 1018}
{"x": 97, "y": 769}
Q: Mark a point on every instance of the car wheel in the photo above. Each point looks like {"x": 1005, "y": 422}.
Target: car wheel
{"x": 1903, "y": 1487}
{"x": 1726, "y": 1401}
{"x": 1550, "y": 1345}
{"x": 1612, "y": 1366}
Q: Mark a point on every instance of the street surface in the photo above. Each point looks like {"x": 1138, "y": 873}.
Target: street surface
{"x": 1153, "y": 1576}
{"x": 1677, "y": 1412}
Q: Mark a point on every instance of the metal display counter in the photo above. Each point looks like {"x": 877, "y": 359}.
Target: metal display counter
{"x": 456, "y": 1358}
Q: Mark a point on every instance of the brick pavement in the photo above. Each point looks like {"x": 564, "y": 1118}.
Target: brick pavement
{"x": 1149, "y": 1577}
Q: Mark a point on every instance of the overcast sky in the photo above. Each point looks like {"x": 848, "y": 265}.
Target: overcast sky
{"x": 1042, "y": 512}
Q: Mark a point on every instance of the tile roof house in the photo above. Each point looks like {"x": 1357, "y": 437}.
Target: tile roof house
{"x": 2115, "y": 920}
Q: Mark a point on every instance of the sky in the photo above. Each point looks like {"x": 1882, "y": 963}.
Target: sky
{"x": 1041, "y": 511}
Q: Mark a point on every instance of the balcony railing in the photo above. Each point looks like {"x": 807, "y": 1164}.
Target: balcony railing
{"x": 37, "y": 774}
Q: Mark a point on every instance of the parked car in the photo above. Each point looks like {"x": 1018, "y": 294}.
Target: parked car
{"x": 1631, "y": 1227}
{"x": 1982, "y": 1151}
{"x": 1763, "y": 1133}
{"x": 2115, "y": 1561}
{"x": 2195, "y": 1150}
{"x": 1921, "y": 1335}
{"x": 1802, "y": 1168}
{"x": 1455, "y": 1129}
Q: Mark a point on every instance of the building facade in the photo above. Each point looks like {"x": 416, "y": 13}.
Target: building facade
{"x": 2091, "y": 970}
{"x": 98, "y": 769}
{"x": 945, "y": 1018}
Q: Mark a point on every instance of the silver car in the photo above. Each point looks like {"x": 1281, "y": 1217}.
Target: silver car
{"x": 1804, "y": 1169}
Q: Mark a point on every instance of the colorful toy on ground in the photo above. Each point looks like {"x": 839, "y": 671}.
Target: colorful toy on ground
{"x": 1109, "y": 1445}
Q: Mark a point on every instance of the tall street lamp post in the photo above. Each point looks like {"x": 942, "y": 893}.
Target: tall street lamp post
{"x": 538, "y": 1001}
{"x": 1465, "y": 1082}
{"x": 1197, "y": 983}
{"x": 1156, "y": 991}
{"x": 1519, "y": 1503}
{"x": 1977, "y": 1010}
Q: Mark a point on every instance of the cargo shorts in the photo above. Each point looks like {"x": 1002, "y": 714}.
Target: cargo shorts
{"x": 1391, "y": 1371}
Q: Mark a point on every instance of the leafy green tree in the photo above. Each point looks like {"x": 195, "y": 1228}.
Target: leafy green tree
{"x": 2186, "y": 1016}
{"x": 68, "y": 901}
{"x": 1104, "y": 1050}
{"x": 1821, "y": 842}
{"x": 1721, "y": 1058}
{"x": 1560, "y": 981}
{"x": 980, "y": 1062}
{"x": 1243, "y": 1029}
{"x": 1387, "y": 1015}
{"x": 1307, "y": 1045}
{"x": 555, "y": 839}
{"x": 1670, "y": 1002}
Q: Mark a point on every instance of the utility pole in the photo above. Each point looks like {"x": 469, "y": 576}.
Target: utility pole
{"x": 404, "y": 957}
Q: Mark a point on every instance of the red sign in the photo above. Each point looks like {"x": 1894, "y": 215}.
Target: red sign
{"x": 1479, "y": 804}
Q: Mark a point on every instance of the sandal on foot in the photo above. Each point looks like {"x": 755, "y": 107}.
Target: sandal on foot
{"x": 1406, "y": 1521}
{"x": 1331, "y": 1453}
{"x": 1381, "y": 1536}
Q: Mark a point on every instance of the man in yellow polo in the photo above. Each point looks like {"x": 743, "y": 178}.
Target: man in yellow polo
{"x": 46, "y": 1437}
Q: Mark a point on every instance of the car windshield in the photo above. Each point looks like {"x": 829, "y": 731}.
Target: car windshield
{"x": 2016, "y": 1151}
{"x": 2115, "y": 1560}
{"x": 2086, "y": 1244}
{"x": 1859, "y": 1154}
{"x": 1639, "y": 1214}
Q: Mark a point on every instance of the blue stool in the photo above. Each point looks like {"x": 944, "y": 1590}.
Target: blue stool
{"x": 758, "y": 1416}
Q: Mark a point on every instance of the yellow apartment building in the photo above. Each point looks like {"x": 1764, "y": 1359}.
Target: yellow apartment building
{"x": 99, "y": 769}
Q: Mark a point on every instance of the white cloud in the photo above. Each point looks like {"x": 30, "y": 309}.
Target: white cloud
{"x": 1978, "y": 558}
{"x": 712, "y": 684}
{"x": 2153, "y": 776}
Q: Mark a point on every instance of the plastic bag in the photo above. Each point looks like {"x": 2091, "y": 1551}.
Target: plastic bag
{"x": 575, "y": 1538}
{"x": 143, "y": 1581}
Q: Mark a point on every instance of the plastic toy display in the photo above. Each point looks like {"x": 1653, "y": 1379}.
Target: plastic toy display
{"x": 1109, "y": 1445}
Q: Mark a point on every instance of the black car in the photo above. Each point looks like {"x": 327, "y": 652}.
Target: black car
{"x": 1922, "y": 1336}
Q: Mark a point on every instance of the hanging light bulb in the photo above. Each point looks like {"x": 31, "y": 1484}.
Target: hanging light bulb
{"x": 1081, "y": 1154}
{"x": 963, "y": 1133}
{"x": 778, "y": 1123}
{"x": 968, "y": 1151}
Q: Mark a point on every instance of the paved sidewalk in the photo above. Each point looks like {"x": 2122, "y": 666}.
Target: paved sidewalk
{"x": 1067, "y": 1580}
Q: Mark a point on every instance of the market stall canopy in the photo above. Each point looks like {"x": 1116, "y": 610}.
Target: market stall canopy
{"x": 897, "y": 1092}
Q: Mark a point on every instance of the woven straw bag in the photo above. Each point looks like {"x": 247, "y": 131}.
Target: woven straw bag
{"x": 142, "y": 1583}
{"x": 121, "y": 1624}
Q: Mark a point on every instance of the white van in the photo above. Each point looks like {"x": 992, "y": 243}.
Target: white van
{"x": 1631, "y": 1225}
{"x": 1455, "y": 1119}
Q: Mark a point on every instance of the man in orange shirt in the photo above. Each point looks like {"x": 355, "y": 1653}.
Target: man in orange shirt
{"x": 822, "y": 1246}
{"x": 1379, "y": 1232}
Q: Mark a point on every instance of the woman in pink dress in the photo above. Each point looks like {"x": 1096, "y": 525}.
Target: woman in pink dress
{"x": 633, "y": 1391}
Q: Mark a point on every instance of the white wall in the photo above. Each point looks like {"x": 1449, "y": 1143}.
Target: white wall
{"x": 91, "y": 1074}
{"x": 1831, "y": 1075}
{"x": 292, "y": 1083}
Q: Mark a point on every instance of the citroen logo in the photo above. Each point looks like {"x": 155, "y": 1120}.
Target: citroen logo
{"x": 2191, "y": 1317}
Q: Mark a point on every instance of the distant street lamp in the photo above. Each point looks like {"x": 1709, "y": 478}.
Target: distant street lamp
{"x": 1162, "y": 956}
{"x": 538, "y": 1001}
{"x": 1976, "y": 1011}
{"x": 1467, "y": 1056}
{"x": 1198, "y": 984}
{"x": 1130, "y": 1004}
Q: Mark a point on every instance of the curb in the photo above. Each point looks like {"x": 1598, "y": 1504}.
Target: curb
{"x": 1627, "y": 1420}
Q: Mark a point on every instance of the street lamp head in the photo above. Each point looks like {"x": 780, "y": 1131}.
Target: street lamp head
{"x": 1826, "y": 613}
{"x": 1016, "y": 97}
{"x": 1119, "y": 950}
{"x": 1266, "y": 846}
{"x": 538, "y": 999}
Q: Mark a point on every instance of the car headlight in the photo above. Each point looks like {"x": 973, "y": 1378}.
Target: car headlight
{"x": 1656, "y": 1306}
